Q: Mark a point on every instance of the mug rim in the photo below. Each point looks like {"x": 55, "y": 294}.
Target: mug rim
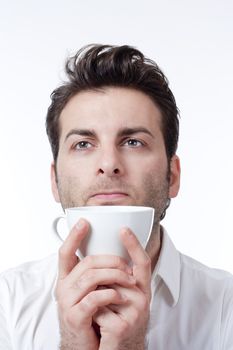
{"x": 110, "y": 208}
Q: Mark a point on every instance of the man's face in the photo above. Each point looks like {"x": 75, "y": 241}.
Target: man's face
{"x": 112, "y": 152}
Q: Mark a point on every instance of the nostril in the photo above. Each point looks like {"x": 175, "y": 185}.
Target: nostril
{"x": 115, "y": 171}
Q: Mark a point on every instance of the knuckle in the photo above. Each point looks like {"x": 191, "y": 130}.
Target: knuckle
{"x": 88, "y": 260}
{"x": 122, "y": 328}
{"x": 88, "y": 304}
{"x": 145, "y": 304}
{"x": 112, "y": 294}
{"x": 147, "y": 262}
{"x": 143, "y": 307}
{"x": 90, "y": 299}
{"x": 86, "y": 279}
{"x": 63, "y": 253}
{"x": 84, "y": 306}
{"x": 118, "y": 262}
{"x": 134, "y": 313}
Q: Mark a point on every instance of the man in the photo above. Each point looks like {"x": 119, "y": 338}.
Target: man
{"x": 113, "y": 128}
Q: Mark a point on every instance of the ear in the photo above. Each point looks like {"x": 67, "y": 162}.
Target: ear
{"x": 174, "y": 176}
{"x": 53, "y": 177}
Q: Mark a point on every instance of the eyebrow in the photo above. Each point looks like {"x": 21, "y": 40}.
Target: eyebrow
{"x": 134, "y": 130}
{"x": 81, "y": 132}
{"x": 122, "y": 132}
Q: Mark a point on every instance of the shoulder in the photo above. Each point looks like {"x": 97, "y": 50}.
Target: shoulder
{"x": 194, "y": 267}
{"x": 211, "y": 291}
{"x": 48, "y": 264}
{"x": 210, "y": 281}
{"x": 27, "y": 305}
{"x": 30, "y": 275}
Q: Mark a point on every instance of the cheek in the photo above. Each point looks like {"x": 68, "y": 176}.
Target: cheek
{"x": 69, "y": 167}
{"x": 74, "y": 177}
{"x": 156, "y": 165}
{"x": 152, "y": 172}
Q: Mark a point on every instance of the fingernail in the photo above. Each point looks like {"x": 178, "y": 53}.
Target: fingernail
{"x": 80, "y": 224}
{"x": 126, "y": 231}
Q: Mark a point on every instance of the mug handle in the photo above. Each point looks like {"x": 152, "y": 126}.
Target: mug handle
{"x": 55, "y": 227}
{"x": 58, "y": 234}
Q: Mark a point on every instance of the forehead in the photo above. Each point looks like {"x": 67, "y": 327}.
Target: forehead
{"x": 110, "y": 109}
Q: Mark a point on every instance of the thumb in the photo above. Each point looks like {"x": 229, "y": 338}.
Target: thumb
{"x": 67, "y": 252}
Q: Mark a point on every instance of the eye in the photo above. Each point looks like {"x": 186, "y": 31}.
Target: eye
{"x": 82, "y": 145}
{"x": 133, "y": 143}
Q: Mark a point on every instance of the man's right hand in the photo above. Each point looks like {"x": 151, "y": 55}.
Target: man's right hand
{"x": 81, "y": 290}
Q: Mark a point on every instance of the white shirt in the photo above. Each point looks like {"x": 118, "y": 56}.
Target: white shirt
{"x": 191, "y": 309}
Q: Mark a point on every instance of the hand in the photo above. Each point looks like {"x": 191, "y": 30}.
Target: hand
{"x": 125, "y": 326}
{"x": 80, "y": 293}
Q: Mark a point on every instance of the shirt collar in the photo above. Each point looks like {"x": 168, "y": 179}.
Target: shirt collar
{"x": 168, "y": 267}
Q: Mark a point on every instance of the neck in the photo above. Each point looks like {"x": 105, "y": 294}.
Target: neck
{"x": 154, "y": 245}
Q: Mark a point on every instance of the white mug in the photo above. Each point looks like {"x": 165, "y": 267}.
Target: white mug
{"x": 105, "y": 224}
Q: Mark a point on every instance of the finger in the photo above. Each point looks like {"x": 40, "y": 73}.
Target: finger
{"x": 136, "y": 308}
{"x": 106, "y": 318}
{"x": 99, "y": 262}
{"x": 67, "y": 256}
{"x": 140, "y": 259}
{"x": 89, "y": 305}
{"x": 96, "y": 279}
{"x": 136, "y": 298}
{"x": 104, "y": 277}
{"x": 113, "y": 329}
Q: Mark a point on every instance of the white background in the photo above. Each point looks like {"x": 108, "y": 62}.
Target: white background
{"x": 192, "y": 41}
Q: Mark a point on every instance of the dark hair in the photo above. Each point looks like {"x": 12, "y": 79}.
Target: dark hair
{"x": 97, "y": 66}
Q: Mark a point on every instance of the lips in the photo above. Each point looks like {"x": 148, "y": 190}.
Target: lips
{"x": 104, "y": 197}
{"x": 111, "y": 195}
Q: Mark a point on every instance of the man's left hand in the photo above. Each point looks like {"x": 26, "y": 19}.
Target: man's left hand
{"x": 124, "y": 327}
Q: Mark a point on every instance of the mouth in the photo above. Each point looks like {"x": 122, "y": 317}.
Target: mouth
{"x": 109, "y": 197}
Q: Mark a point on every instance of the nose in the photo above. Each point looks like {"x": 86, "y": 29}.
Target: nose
{"x": 110, "y": 163}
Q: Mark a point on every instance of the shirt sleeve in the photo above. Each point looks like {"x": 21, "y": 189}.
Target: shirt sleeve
{"x": 5, "y": 342}
{"x": 227, "y": 316}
